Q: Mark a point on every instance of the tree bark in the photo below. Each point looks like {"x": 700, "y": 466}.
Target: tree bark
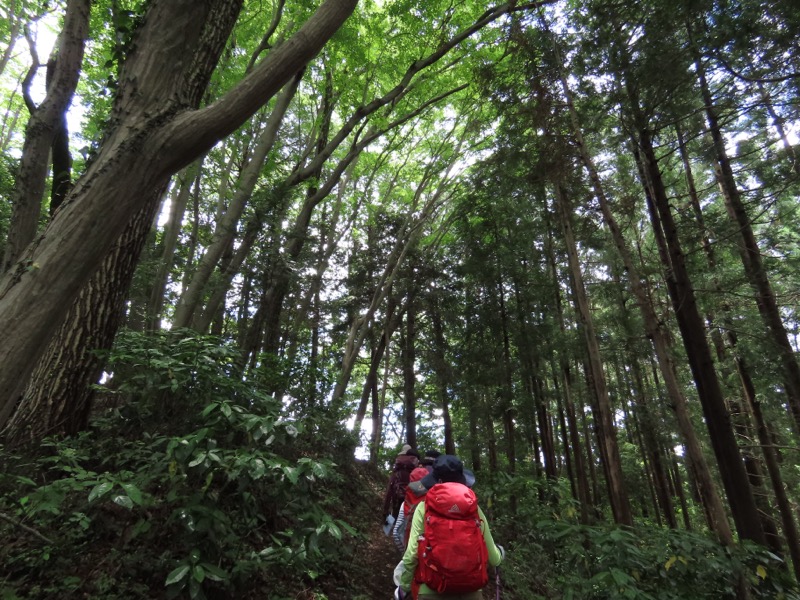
{"x": 172, "y": 229}
{"x": 734, "y": 477}
{"x": 156, "y": 133}
{"x": 409, "y": 358}
{"x": 748, "y": 248}
{"x": 604, "y": 421}
{"x": 226, "y": 226}
{"x": 44, "y": 125}
{"x": 58, "y": 398}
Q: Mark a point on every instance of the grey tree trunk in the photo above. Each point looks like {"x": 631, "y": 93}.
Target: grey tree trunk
{"x": 157, "y": 132}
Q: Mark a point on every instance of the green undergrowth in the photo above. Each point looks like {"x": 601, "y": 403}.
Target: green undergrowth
{"x": 551, "y": 555}
{"x": 191, "y": 484}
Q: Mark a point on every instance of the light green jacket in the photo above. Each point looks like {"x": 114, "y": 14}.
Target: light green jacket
{"x": 418, "y": 529}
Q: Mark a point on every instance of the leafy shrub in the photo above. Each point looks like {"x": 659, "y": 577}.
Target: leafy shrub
{"x": 551, "y": 555}
{"x": 193, "y": 481}
{"x": 649, "y": 563}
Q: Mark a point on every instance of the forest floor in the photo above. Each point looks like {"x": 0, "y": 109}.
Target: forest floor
{"x": 369, "y": 576}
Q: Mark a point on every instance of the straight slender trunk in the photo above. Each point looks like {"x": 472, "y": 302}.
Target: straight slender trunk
{"x": 656, "y": 331}
{"x": 604, "y": 422}
{"x": 734, "y": 477}
{"x": 409, "y": 371}
{"x": 748, "y": 387}
{"x": 584, "y": 491}
{"x": 169, "y": 244}
{"x": 748, "y": 249}
{"x": 226, "y": 225}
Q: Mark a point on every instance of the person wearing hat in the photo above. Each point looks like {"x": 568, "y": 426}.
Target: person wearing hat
{"x": 415, "y": 493}
{"x": 429, "y": 458}
{"x": 446, "y": 468}
{"x": 407, "y": 460}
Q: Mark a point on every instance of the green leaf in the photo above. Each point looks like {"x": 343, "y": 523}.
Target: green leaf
{"x": 214, "y": 573}
{"x": 100, "y": 489}
{"x": 292, "y": 474}
{"x": 199, "y": 573}
{"x": 177, "y": 575}
{"x": 123, "y": 501}
{"x": 334, "y": 531}
{"x": 199, "y": 459}
{"x": 133, "y": 492}
{"x": 257, "y": 468}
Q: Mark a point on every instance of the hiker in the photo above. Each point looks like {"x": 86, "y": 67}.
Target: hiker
{"x": 429, "y": 458}
{"x": 450, "y": 542}
{"x": 415, "y": 493}
{"x": 405, "y": 462}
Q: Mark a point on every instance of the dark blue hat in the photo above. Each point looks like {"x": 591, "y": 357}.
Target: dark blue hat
{"x": 448, "y": 468}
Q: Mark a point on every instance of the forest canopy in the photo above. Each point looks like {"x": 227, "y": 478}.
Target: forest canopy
{"x": 250, "y": 249}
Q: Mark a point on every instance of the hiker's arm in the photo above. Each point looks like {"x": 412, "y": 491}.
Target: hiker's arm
{"x": 398, "y": 533}
{"x": 495, "y": 557}
{"x": 410, "y": 555}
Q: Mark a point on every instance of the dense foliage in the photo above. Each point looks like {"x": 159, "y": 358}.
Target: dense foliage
{"x": 559, "y": 239}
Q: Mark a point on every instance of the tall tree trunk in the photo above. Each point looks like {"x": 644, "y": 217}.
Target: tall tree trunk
{"x": 58, "y": 397}
{"x": 444, "y": 375}
{"x": 169, "y": 243}
{"x": 506, "y": 388}
{"x": 45, "y": 124}
{"x": 226, "y": 226}
{"x": 157, "y": 132}
{"x": 409, "y": 364}
{"x": 734, "y": 477}
{"x": 61, "y": 386}
{"x": 748, "y": 387}
{"x": 392, "y": 322}
{"x": 61, "y": 157}
{"x": 657, "y": 333}
{"x": 748, "y": 248}
{"x": 584, "y": 491}
{"x": 604, "y": 421}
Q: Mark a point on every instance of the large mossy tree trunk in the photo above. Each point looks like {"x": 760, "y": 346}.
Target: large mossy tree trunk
{"x": 156, "y": 131}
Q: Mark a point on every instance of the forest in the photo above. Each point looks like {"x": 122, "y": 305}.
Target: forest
{"x": 251, "y": 248}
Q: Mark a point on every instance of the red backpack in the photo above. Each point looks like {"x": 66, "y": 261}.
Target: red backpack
{"x": 415, "y": 494}
{"x": 452, "y": 555}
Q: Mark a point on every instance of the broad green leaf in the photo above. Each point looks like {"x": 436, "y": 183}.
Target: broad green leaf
{"x": 133, "y": 492}
{"x": 100, "y": 489}
{"x": 123, "y": 500}
{"x": 198, "y": 573}
{"x": 177, "y": 575}
{"x": 214, "y": 573}
{"x": 198, "y": 459}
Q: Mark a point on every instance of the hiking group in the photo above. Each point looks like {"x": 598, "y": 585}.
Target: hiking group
{"x": 434, "y": 519}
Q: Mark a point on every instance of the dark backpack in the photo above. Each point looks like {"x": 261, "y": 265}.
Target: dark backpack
{"x": 401, "y": 475}
{"x": 452, "y": 555}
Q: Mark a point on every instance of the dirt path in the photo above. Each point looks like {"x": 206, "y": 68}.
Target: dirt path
{"x": 378, "y": 560}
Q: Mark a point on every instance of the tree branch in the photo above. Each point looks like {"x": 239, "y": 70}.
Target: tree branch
{"x": 30, "y": 530}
